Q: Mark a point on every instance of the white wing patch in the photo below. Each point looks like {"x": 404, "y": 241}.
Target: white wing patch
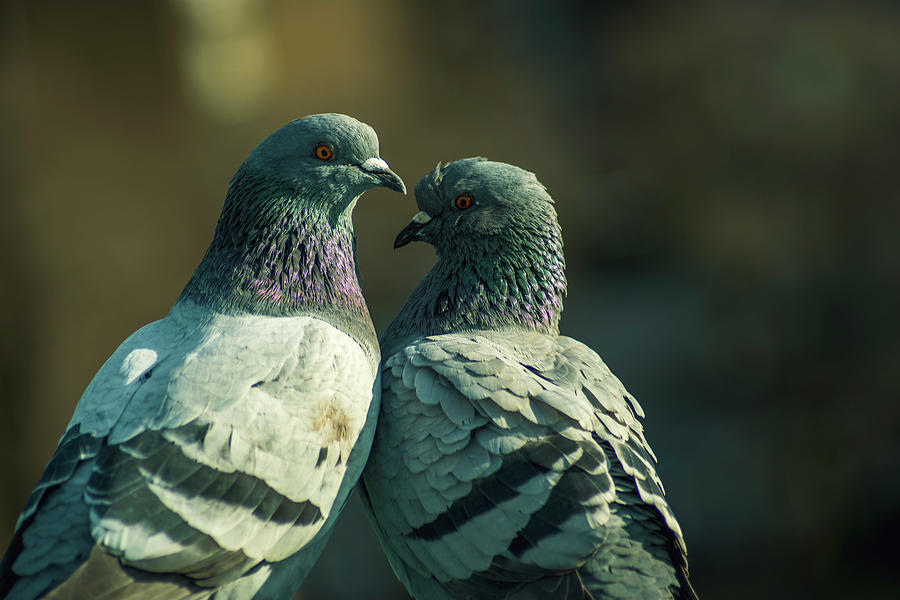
{"x": 273, "y": 404}
{"x": 137, "y": 363}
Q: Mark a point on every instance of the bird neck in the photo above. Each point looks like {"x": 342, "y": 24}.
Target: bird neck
{"x": 500, "y": 282}
{"x": 274, "y": 254}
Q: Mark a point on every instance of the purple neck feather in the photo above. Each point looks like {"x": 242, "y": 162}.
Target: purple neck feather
{"x": 281, "y": 256}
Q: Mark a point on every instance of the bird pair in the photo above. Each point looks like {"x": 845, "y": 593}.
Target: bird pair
{"x": 212, "y": 453}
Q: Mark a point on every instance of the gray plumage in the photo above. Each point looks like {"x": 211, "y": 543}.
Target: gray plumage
{"x": 212, "y": 452}
{"x": 509, "y": 462}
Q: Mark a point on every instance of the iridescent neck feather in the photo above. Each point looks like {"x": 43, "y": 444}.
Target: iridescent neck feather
{"x": 501, "y": 282}
{"x": 279, "y": 254}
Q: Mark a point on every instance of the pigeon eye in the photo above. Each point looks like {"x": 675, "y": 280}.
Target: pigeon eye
{"x": 323, "y": 152}
{"x": 463, "y": 202}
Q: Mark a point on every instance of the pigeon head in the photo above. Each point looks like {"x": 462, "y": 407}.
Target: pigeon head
{"x": 285, "y": 243}
{"x": 325, "y": 161}
{"x": 499, "y": 252}
{"x": 477, "y": 199}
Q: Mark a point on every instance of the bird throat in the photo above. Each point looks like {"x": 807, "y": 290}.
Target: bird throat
{"x": 509, "y": 284}
{"x": 287, "y": 259}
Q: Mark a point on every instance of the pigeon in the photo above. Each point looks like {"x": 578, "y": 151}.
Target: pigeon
{"x": 508, "y": 461}
{"x": 211, "y": 454}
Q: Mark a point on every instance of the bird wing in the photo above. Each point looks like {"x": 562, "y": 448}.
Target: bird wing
{"x": 515, "y": 449}
{"x": 205, "y": 445}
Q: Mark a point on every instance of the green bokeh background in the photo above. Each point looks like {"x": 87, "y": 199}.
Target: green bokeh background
{"x": 726, "y": 175}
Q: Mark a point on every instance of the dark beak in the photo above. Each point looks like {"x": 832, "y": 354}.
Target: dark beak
{"x": 382, "y": 174}
{"x": 412, "y": 232}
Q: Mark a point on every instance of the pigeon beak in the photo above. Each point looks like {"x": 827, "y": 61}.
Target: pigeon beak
{"x": 410, "y": 233}
{"x": 382, "y": 174}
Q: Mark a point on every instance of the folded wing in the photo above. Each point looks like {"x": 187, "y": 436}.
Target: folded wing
{"x": 513, "y": 461}
{"x": 198, "y": 452}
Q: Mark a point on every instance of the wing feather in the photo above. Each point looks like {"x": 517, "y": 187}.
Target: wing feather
{"x": 541, "y": 431}
{"x": 205, "y": 445}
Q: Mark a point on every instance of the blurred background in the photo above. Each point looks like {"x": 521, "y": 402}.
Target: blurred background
{"x": 726, "y": 175}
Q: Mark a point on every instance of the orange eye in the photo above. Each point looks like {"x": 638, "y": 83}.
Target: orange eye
{"x": 323, "y": 152}
{"x": 463, "y": 202}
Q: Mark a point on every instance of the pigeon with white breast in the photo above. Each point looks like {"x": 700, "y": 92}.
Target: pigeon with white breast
{"x": 212, "y": 452}
{"x": 509, "y": 462}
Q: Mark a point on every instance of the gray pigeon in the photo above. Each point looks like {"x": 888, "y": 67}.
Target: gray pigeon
{"x": 509, "y": 462}
{"x": 213, "y": 451}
